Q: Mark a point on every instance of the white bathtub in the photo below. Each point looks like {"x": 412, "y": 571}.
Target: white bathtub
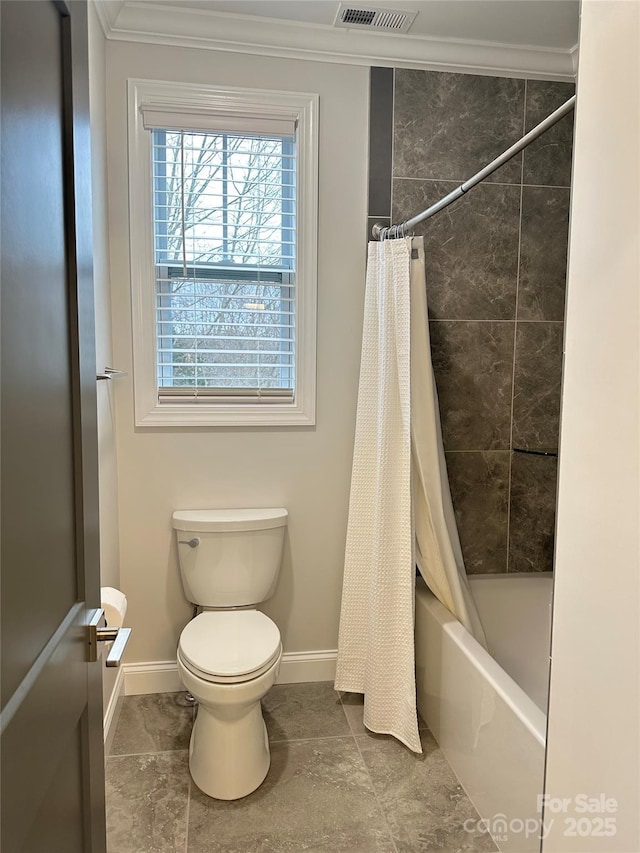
{"x": 488, "y": 711}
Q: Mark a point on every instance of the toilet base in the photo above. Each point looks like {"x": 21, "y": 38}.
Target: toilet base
{"x": 229, "y": 750}
{"x": 229, "y": 760}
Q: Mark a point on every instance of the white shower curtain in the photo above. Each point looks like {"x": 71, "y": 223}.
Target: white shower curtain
{"x": 400, "y": 511}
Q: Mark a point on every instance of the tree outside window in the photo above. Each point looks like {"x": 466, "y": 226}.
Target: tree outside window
{"x": 224, "y": 235}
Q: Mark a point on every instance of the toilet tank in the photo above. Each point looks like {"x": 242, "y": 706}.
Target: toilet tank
{"x": 230, "y": 557}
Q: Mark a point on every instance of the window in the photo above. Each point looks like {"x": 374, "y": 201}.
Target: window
{"x": 223, "y": 195}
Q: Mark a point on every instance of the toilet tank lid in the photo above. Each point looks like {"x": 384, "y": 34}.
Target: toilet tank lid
{"x": 210, "y": 520}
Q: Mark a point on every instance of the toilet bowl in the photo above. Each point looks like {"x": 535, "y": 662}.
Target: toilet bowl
{"x": 229, "y": 655}
{"x": 228, "y": 661}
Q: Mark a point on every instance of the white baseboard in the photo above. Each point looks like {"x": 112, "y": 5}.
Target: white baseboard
{"x": 110, "y": 715}
{"x": 162, "y": 676}
{"x": 308, "y": 666}
{"x": 151, "y": 677}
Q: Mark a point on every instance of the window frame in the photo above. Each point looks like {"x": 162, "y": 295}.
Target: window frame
{"x": 198, "y": 99}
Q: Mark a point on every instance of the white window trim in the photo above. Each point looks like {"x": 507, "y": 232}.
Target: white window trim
{"x": 181, "y": 96}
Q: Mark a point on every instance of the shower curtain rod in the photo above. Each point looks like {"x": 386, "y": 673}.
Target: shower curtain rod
{"x": 379, "y": 232}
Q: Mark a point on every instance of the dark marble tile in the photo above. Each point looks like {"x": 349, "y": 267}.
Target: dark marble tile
{"x": 353, "y": 705}
{"x": 537, "y": 382}
{"x": 147, "y": 798}
{"x": 317, "y": 797}
{"x": 471, "y": 248}
{"x": 533, "y": 511}
{"x": 543, "y": 253}
{"x": 424, "y": 804}
{"x": 448, "y": 126}
{"x": 547, "y": 161}
{"x": 380, "y": 140}
{"x": 473, "y": 367}
{"x": 480, "y": 492}
{"x": 154, "y": 722}
{"x": 308, "y": 710}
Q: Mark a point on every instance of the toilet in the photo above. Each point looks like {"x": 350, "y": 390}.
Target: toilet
{"x": 229, "y": 655}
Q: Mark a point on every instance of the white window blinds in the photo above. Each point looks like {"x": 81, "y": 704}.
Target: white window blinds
{"x": 224, "y": 211}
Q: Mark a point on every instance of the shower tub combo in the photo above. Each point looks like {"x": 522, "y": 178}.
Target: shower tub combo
{"x": 488, "y": 711}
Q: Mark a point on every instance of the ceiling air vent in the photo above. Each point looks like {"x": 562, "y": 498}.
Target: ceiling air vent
{"x": 390, "y": 20}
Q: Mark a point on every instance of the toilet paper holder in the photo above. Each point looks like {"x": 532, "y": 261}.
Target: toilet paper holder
{"x": 98, "y": 632}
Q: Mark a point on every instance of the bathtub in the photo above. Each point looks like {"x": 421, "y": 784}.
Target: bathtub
{"x": 488, "y": 711}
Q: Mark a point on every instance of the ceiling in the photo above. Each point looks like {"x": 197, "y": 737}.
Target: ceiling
{"x": 535, "y": 38}
{"x": 544, "y": 23}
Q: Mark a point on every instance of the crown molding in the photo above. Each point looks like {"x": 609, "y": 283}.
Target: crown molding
{"x": 107, "y": 12}
{"x": 128, "y": 20}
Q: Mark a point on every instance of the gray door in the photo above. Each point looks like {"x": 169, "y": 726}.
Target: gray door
{"x": 51, "y": 717}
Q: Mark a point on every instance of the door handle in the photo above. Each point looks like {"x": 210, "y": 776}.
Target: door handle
{"x": 110, "y": 373}
{"x": 119, "y": 637}
{"x": 98, "y": 632}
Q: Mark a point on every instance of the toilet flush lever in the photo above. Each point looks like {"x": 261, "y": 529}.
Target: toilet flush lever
{"x": 192, "y": 543}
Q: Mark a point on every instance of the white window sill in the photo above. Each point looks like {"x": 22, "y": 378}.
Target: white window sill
{"x": 178, "y": 415}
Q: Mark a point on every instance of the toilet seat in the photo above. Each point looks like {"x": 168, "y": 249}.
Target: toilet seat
{"x": 229, "y": 679}
{"x": 230, "y": 646}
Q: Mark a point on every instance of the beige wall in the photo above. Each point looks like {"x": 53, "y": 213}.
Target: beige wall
{"x": 109, "y": 556}
{"x": 594, "y": 704}
{"x": 306, "y": 470}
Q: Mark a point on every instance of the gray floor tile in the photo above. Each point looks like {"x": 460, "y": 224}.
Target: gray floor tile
{"x": 449, "y": 838}
{"x": 353, "y": 705}
{"x": 309, "y": 710}
{"x": 317, "y": 797}
{"x": 326, "y": 791}
{"x": 155, "y": 722}
{"x": 147, "y": 798}
{"x": 425, "y": 806}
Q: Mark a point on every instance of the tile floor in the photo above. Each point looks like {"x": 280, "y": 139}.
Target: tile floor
{"x": 332, "y": 787}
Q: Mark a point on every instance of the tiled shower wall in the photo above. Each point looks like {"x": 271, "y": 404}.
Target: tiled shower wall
{"x": 496, "y": 264}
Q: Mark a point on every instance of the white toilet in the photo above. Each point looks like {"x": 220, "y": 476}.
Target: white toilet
{"x": 229, "y": 655}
